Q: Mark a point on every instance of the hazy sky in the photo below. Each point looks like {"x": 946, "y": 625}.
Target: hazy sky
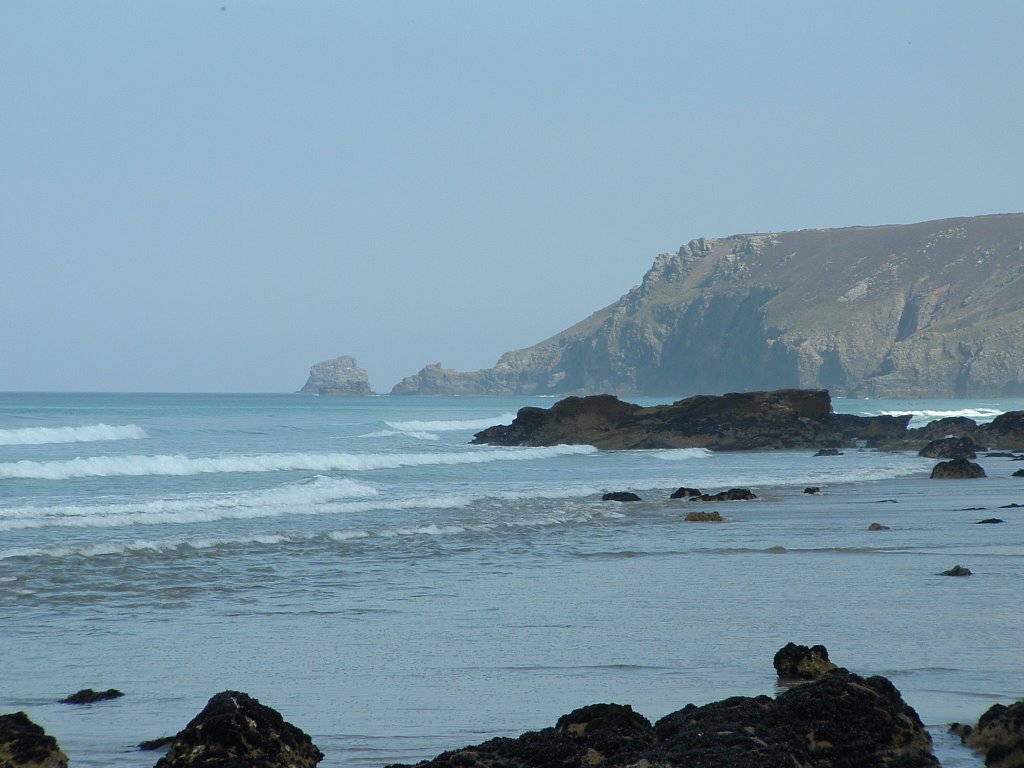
{"x": 215, "y": 195}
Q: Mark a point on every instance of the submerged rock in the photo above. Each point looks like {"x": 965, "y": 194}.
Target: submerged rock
{"x": 89, "y": 696}
{"x": 733, "y": 494}
{"x": 798, "y": 662}
{"x": 685, "y": 493}
{"x": 878, "y": 527}
{"x": 999, "y": 735}
{"x": 235, "y": 730}
{"x": 957, "y": 570}
{"x": 621, "y": 496}
{"x": 1018, "y": 473}
{"x": 839, "y": 721}
{"x": 23, "y": 744}
{"x": 812, "y": 490}
{"x": 829, "y": 452}
{"x": 703, "y": 517}
{"x": 957, "y": 469}
{"x": 990, "y": 521}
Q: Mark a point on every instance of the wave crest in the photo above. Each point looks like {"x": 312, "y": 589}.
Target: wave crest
{"x": 85, "y": 434}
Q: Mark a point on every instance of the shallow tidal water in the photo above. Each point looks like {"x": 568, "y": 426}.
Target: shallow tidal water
{"x": 395, "y": 592}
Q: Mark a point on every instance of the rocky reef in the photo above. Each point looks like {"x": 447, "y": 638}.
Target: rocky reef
{"x": 840, "y": 720}
{"x": 999, "y": 735}
{"x": 337, "y": 376}
{"x": 780, "y": 419}
{"x": 928, "y": 309}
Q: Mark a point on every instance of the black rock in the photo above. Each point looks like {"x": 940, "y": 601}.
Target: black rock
{"x": 1014, "y": 505}
{"x": 957, "y": 570}
{"x": 733, "y": 494}
{"x": 235, "y": 731}
{"x": 685, "y": 493}
{"x": 957, "y": 469}
{"x": 999, "y": 735}
{"x": 950, "y": 448}
{"x": 23, "y": 744}
{"x": 89, "y": 696}
{"x": 1018, "y": 473}
{"x": 878, "y": 527}
{"x": 621, "y": 496}
{"x": 812, "y": 489}
{"x": 798, "y": 662}
{"x": 990, "y": 521}
{"x": 829, "y": 452}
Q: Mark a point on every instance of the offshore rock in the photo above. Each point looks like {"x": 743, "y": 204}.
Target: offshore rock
{"x": 620, "y": 496}
{"x": 950, "y": 448}
{"x": 878, "y": 527}
{"x": 337, "y": 376}
{"x": 89, "y": 696}
{"x": 788, "y": 418}
{"x": 957, "y": 570}
{"x": 812, "y": 490}
{"x": 839, "y": 721}
{"x": 798, "y": 662}
{"x": 999, "y": 735}
{"x": 703, "y": 517}
{"x": 932, "y": 309}
{"x": 828, "y": 452}
{"x": 234, "y": 731}
{"x": 733, "y": 494}
{"x": 1006, "y": 431}
{"x": 957, "y": 469}
{"x": 23, "y": 744}
{"x": 685, "y": 493}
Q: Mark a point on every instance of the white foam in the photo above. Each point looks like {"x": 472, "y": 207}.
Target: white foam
{"x": 682, "y": 454}
{"x": 450, "y": 426}
{"x": 136, "y": 466}
{"x": 925, "y": 416}
{"x": 85, "y": 434}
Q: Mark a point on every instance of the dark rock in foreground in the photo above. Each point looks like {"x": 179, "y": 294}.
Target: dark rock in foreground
{"x": 620, "y": 496}
{"x": 999, "y": 735}
{"x": 786, "y": 418}
{"x": 89, "y": 696}
{"x": 235, "y": 731}
{"x": 798, "y": 662}
{"x": 23, "y": 744}
{"x": 957, "y": 469}
{"x": 839, "y": 721}
{"x": 950, "y": 448}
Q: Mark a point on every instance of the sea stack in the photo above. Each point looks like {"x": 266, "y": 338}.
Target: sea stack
{"x": 337, "y": 376}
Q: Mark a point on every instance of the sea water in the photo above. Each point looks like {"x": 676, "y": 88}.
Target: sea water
{"x": 395, "y": 592}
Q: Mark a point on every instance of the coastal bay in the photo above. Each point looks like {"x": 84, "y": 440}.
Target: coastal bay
{"x": 396, "y": 592}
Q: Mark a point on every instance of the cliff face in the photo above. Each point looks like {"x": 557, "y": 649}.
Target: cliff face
{"x": 928, "y": 309}
{"x": 337, "y": 376}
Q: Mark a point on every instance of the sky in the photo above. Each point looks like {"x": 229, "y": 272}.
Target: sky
{"x": 213, "y": 196}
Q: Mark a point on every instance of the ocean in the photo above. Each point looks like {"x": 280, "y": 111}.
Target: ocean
{"x": 396, "y": 592}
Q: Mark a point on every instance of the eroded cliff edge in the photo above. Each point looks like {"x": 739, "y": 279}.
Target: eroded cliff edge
{"x": 928, "y": 309}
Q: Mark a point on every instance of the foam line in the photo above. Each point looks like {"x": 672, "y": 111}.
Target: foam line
{"x": 86, "y": 434}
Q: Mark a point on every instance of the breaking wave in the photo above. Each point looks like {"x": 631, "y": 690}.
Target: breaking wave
{"x": 922, "y": 417}
{"x": 85, "y": 434}
{"x": 176, "y": 465}
{"x": 449, "y": 426}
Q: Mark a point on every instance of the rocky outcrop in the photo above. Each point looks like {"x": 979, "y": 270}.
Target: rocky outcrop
{"x": 999, "y": 735}
{"x": 799, "y": 662}
{"x": 733, "y": 494}
{"x": 235, "y": 729}
{"x": 738, "y": 421}
{"x": 957, "y": 469}
{"x": 928, "y": 309}
{"x": 23, "y": 744}
{"x": 957, "y": 570}
{"x": 620, "y": 496}
{"x": 950, "y": 448}
{"x": 840, "y": 720}
{"x": 337, "y": 376}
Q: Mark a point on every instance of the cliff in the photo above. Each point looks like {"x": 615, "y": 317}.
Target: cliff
{"x": 337, "y": 376}
{"x": 928, "y": 309}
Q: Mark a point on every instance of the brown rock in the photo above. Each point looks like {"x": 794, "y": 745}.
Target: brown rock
{"x": 798, "y": 662}
{"x": 23, "y": 744}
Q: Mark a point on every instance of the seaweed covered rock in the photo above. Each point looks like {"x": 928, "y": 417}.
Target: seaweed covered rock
{"x": 89, "y": 696}
{"x": 798, "y": 662}
{"x": 839, "y": 721}
{"x": 999, "y": 735}
{"x": 24, "y": 744}
{"x": 950, "y": 448}
{"x": 703, "y": 517}
{"x": 235, "y": 729}
{"x": 957, "y": 469}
